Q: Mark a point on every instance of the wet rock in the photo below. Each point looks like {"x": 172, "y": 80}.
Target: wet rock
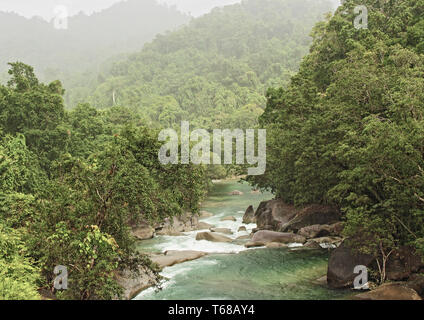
{"x": 249, "y": 215}
{"x": 311, "y": 244}
{"x": 174, "y": 257}
{"x": 244, "y": 237}
{"x": 212, "y": 236}
{"x": 185, "y": 223}
{"x": 341, "y": 264}
{"x": 254, "y": 244}
{"x": 236, "y": 193}
{"x": 205, "y": 214}
{"x": 266, "y": 236}
{"x": 273, "y": 214}
{"x": 204, "y": 226}
{"x": 314, "y": 231}
{"x": 242, "y": 228}
{"x": 327, "y": 241}
{"x": 133, "y": 283}
{"x": 276, "y": 245}
{"x": 231, "y": 218}
{"x": 221, "y": 230}
{"x": 321, "y": 230}
{"x": 312, "y": 215}
{"x": 389, "y": 291}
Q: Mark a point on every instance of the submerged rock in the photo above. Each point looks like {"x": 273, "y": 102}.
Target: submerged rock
{"x": 204, "y": 226}
{"x": 236, "y": 193}
{"x": 221, "y": 230}
{"x": 254, "y": 244}
{"x": 249, "y": 215}
{"x": 231, "y": 218}
{"x": 266, "y": 236}
{"x": 275, "y": 245}
{"x": 174, "y": 257}
{"x": 212, "y": 236}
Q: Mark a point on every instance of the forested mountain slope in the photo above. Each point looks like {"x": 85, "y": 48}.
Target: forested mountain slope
{"x": 213, "y": 72}
{"x": 349, "y": 128}
{"x": 87, "y": 41}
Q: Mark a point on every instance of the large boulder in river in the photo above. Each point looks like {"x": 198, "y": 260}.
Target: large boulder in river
{"x": 402, "y": 263}
{"x": 312, "y": 215}
{"x": 321, "y": 230}
{"x": 390, "y": 291}
{"x": 249, "y": 215}
{"x": 212, "y": 236}
{"x": 342, "y": 263}
{"x": 265, "y": 236}
{"x": 184, "y": 223}
{"x": 273, "y": 214}
{"x": 203, "y": 226}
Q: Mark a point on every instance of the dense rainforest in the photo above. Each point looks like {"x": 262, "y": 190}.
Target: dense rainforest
{"x": 72, "y": 183}
{"x": 80, "y": 166}
{"x": 213, "y": 72}
{"x": 74, "y": 180}
{"x": 349, "y": 128}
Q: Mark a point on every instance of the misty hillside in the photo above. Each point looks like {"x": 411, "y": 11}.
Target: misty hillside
{"x": 215, "y": 70}
{"x": 124, "y": 27}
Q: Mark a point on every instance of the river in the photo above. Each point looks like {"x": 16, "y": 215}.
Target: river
{"x": 231, "y": 271}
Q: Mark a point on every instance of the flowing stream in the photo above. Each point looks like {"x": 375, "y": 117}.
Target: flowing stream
{"x": 230, "y": 271}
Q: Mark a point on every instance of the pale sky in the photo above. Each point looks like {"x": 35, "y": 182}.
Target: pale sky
{"x": 45, "y": 8}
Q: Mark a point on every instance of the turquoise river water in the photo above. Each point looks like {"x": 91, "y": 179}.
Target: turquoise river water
{"x": 230, "y": 271}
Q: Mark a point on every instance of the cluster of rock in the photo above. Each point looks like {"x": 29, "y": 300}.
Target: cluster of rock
{"x": 171, "y": 227}
{"x": 314, "y": 226}
{"x": 319, "y": 226}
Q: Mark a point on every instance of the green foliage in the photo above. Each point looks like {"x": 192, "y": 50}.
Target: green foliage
{"x": 349, "y": 128}
{"x": 214, "y": 71}
{"x": 18, "y": 275}
{"x": 73, "y": 184}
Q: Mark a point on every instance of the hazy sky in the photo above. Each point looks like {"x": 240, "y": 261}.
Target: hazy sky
{"x": 45, "y": 8}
